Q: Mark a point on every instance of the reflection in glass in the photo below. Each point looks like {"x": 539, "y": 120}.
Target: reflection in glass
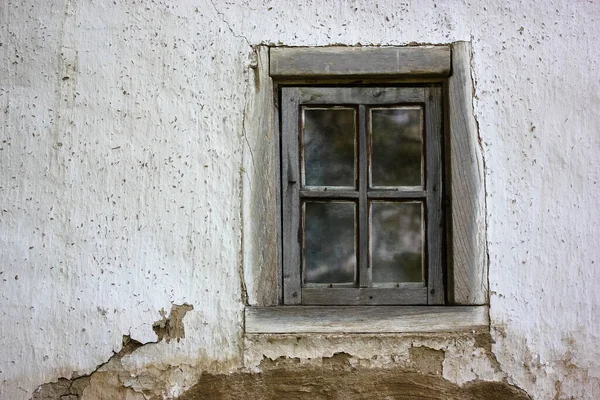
{"x": 396, "y": 146}
{"x": 328, "y": 138}
{"x": 397, "y": 242}
{"x": 329, "y": 242}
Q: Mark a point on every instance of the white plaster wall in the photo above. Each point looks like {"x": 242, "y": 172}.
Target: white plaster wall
{"x": 121, "y": 186}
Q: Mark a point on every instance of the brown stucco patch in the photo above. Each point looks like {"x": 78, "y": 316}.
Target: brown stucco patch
{"x": 427, "y": 360}
{"x": 171, "y": 327}
{"x": 63, "y": 389}
{"x": 324, "y": 383}
{"x": 74, "y": 389}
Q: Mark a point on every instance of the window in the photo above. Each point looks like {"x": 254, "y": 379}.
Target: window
{"x": 362, "y": 188}
{"x": 330, "y": 211}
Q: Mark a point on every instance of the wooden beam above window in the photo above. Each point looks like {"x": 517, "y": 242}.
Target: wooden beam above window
{"x": 311, "y": 62}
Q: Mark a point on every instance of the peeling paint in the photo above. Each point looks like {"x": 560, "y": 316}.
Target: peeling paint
{"x": 171, "y": 327}
{"x": 64, "y": 389}
{"x": 84, "y": 387}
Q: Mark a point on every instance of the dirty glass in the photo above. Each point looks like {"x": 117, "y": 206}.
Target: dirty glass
{"x": 396, "y": 147}
{"x": 329, "y": 242}
{"x": 396, "y": 240}
{"x": 329, "y": 147}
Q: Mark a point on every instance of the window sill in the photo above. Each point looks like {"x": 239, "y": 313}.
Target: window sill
{"x": 364, "y": 319}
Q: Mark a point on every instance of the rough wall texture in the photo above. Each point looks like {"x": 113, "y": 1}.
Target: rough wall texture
{"x": 338, "y": 377}
{"x": 123, "y": 166}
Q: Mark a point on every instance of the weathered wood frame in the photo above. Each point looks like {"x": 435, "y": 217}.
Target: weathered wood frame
{"x": 466, "y": 255}
{"x": 429, "y": 99}
{"x": 364, "y": 319}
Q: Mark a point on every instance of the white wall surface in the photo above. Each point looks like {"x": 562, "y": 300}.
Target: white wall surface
{"x": 122, "y": 158}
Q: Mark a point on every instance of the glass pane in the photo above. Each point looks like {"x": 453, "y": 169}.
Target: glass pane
{"x": 329, "y": 242}
{"x": 329, "y": 147}
{"x": 397, "y": 242}
{"x": 396, "y": 147}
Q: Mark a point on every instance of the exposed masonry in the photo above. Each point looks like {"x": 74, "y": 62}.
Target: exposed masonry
{"x": 338, "y": 376}
{"x": 109, "y": 379}
{"x": 393, "y": 365}
{"x": 72, "y": 389}
{"x": 171, "y": 327}
{"x": 341, "y": 376}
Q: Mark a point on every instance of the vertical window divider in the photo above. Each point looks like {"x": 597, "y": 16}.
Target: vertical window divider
{"x": 365, "y": 273}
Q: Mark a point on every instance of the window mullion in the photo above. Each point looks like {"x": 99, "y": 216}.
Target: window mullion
{"x": 364, "y": 279}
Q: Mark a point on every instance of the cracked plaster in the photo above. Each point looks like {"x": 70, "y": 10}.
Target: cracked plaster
{"x": 129, "y": 147}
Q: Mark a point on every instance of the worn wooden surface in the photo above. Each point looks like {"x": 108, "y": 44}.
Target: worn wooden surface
{"x": 364, "y": 296}
{"x": 290, "y": 184}
{"x": 433, "y": 140}
{"x": 361, "y": 95}
{"x": 360, "y": 61}
{"x": 329, "y": 194}
{"x": 365, "y": 269}
{"x": 399, "y": 194}
{"x": 292, "y": 99}
{"x": 260, "y": 186}
{"x": 278, "y": 194}
{"x": 468, "y": 281}
{"x": 364, "y": 319}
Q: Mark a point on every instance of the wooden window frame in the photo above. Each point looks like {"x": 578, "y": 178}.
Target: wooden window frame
{"x": 362, "y": 98}
{"x": 447, "y": 66}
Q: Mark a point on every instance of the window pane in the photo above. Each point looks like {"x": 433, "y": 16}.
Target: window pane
{"x": 329, "y": 151}
{"x": 397, "y": 242}
{"x": 396, "y": 147}
{"x": 329, "y": 242}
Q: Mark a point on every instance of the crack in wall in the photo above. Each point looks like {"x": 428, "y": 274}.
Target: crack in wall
{"x": 106, "y": 376}
{"x": 253, "y": 66}
{"x": 484, "y": 172}
{"x": 74, "y": 388}
{"x": 417, "y": 374}
{"x": 243, "y": 288}
{"x": 220, "y": 14}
